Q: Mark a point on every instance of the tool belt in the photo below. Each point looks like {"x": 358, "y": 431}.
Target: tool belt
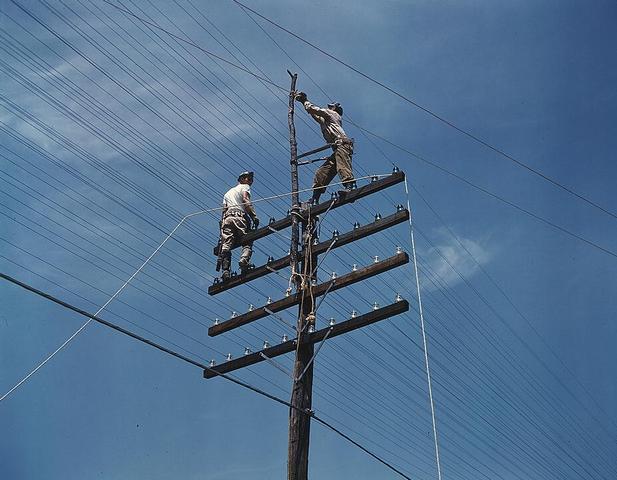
{"x": 234, "y": 212}
{"x": 343, "y": 141}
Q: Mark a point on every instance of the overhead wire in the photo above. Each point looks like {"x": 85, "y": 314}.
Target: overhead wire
{"x": 430, "y": 112}
{"x": 200, "y": 365}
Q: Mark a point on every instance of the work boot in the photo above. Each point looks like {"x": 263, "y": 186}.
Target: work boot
{"x": 226, "y": 266}
{"x": 245, "y": 265}
{"x": 349, "y": 187}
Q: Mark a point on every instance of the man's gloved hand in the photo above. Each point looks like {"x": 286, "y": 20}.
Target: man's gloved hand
{"x": 301, "y": 97}
{"x": 255, "y": 223}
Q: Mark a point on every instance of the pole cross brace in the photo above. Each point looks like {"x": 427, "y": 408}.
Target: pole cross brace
{"x": 310, "y": 152}
{"x": 322, "y": 247}
{"x": 319, "y": 290}
{"x": 320, "y": 208}
{"x": 360, "y": 321}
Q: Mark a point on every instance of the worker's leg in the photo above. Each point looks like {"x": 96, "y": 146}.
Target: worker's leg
{"x": 343, "y": 154}
{"x": 323, "y": 176}
{"x": 241, "y": 225}
{"x": 227, "y": 241}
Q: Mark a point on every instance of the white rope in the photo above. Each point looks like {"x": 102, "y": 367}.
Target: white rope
{"x": 420, "y": 310}
{"x": 80, "y": 329}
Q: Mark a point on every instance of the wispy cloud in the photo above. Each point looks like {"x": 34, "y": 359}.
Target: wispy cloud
{"x": 450, "y": 259}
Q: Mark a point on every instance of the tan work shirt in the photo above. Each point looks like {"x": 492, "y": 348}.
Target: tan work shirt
{"x": 330, "y": 122}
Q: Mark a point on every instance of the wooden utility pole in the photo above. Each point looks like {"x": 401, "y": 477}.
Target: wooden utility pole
{"x": 307, "y": 289}
{"x": 302, "y": 389}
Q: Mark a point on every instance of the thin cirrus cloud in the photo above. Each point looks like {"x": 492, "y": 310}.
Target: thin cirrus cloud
{"x": 451, "y": 261}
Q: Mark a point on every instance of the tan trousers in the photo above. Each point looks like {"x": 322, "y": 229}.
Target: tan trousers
{"x": 234, "y": 228}
{"x": 339, "y": 162}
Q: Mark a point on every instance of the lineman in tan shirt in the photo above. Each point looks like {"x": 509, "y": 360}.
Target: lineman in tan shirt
{"x": 237, "y": 212}
{"x": 331, "y": 124}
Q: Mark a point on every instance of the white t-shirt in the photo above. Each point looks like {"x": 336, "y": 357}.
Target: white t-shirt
{"x": 234, "y": 198}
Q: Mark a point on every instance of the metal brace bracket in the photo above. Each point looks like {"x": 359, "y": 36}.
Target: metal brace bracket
{"x": 275, "y": 364}
{"x": 314, "y": 355}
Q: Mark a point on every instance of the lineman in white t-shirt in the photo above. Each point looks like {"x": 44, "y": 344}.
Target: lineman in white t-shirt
{"x": 238, "y": 212}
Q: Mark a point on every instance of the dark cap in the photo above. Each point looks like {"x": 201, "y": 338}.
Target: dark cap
{"x": 336, "y": 107}
{"x": 245, "y": 174}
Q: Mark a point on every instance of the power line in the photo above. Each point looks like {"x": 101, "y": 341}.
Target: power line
{"x": 195, "y": 363}
{"x": 431, "y": 113}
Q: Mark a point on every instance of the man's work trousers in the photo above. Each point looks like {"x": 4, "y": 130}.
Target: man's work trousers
{"x": 235, "y": 227}
{"x": 339, "y": 161}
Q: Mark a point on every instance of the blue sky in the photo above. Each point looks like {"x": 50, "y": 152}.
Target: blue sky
{"x": 112, "y": 131}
